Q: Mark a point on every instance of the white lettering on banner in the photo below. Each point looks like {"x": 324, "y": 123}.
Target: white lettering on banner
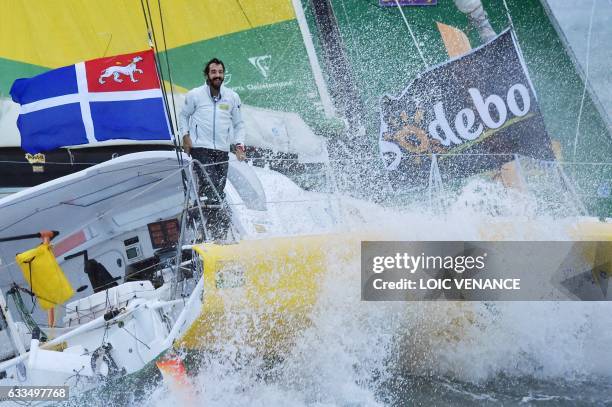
{"x": 442, "y": 123}
{"x": 464, "y": 122}
{"x": 511, "y": 98}
{"x": 266, "y": 86}
{"x": 484, "y": 108}
{"x": 492, "y": 111}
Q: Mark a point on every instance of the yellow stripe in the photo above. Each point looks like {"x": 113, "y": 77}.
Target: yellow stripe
{"x": 174, "y": 87}
{"x": 56, "y": 33}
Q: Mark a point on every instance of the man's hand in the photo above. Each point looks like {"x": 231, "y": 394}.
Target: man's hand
{"x": 240, "y": 153}
{"x": 187, "y": 144}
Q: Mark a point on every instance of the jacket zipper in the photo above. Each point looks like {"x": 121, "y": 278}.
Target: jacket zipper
{"x": 214, "y": 118}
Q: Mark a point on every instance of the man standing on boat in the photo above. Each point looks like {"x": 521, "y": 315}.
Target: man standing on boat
{"x": 209, "y": 115}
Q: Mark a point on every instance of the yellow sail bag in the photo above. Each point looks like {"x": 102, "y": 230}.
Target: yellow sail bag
{"x": 46, "y": 278}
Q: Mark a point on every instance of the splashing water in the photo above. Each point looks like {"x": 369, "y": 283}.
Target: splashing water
{"x": 357, "y": 353}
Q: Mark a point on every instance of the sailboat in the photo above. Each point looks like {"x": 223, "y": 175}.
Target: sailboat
{"x": 127, "y": 234}
{"x": 135, "y": 216}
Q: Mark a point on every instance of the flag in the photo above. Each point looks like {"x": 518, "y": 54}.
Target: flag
{"x": 102, "y": 99}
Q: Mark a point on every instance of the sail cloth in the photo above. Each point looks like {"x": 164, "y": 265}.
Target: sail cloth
{"x": 44, "y": 275}
{"x": 102, "y": 99}
{"x": 477, "y": 105}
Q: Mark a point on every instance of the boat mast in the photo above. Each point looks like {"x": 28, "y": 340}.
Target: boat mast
{"x": 343, "y": 86}
{"x": 478, "y": 18}
{"x": 315, "y": 67}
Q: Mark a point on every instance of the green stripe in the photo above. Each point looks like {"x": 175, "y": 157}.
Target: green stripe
{"x": 11, "y": 70}
{"x": 289, "y": 84}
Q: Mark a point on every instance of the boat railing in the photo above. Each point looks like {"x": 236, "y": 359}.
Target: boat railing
{"x": 556, "y": 188}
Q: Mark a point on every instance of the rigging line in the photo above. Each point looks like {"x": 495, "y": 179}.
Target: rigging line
{"x": 281, "y": 56}
{"x": 586, "y": 77}
{"x": 32, "y": 294}
{"x": 163, "y": 89}
{"x": 144, "y": 14}
{"x": 244, "y": 13}
{"x": 412, "y": 34}
{"x": 133, "y": 336}
{"x": 91, "y": 314}
{"x": 46, "y": 163}
{"x": 105, "y": 334}
{"x": 57, "y": 163}
{"x": 350, "y": 30}
{"x": 161, "y": 19}
{"x": 518, "y": 47}
{"x": 509, "y": 16}
{"x": 108, "y": 44}
{"x": 10, "y": 270}
{"x": 151, "y": 33}
{"x": 375, "y": 6}
{"x": 76, "y": 375}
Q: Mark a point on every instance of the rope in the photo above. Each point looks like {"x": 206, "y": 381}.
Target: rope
{"x": 147, "y": 24}
{"x": 244, "y": 13}
{"x": 133, "y": 336}
{"x": 104, "y": 335}
{"x": 287, "y": 201}
{"x": 150, "y": 26}
{"x": 412, "y": 34}
{"x": 586, "y": 78}
{"x": 161, "y": 19}
{"x": 46, "y": 163}
{"x": 26, "y": 316}
{"x": 508, "y": 15}
{"x": 25, "y": 290}
{"x": 355, "y": 46}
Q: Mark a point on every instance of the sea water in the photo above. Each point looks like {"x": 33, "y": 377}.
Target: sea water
{"x": 358, "y": 353}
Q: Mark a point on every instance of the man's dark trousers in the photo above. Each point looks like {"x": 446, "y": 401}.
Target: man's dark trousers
{"x": 215, "y": 163}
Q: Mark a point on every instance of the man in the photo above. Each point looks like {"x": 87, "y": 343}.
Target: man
{"x": 210, "y": 113}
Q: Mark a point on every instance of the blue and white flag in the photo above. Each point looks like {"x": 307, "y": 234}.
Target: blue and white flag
{"x": 103, "y": 99}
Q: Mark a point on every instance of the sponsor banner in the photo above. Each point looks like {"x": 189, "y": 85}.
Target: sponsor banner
{"x": 480, "y": 104}
{"x": 486, "y": 271}
{"x": 390, "y": 3}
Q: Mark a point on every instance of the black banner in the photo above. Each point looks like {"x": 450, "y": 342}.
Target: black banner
{"x": 473, "y": 112}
